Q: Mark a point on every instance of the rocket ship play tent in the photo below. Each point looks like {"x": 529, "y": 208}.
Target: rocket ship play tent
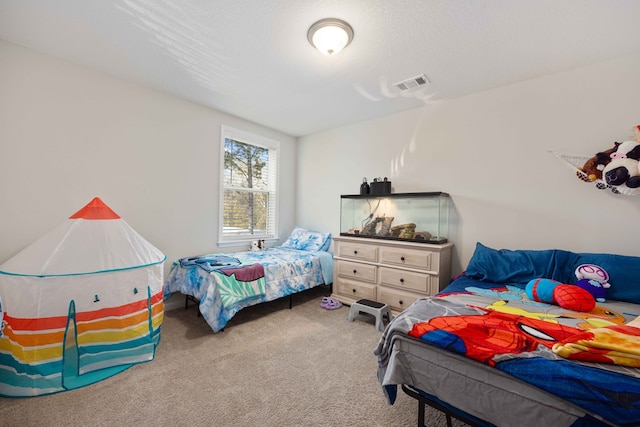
{"x": 81, "y": 304}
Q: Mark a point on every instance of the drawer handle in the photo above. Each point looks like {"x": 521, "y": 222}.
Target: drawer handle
{"x": 354, "y": 291}
{"x": 400, "y": 302}
{"x": 402, "y": 258}
{"x": 354, "y": 271}
{"x": 401, "y": 280}
{"x": 355, "y": 252}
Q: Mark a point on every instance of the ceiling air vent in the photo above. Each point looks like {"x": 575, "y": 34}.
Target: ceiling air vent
{"x": 420, "y": 80}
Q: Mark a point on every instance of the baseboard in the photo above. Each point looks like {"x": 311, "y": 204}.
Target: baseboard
{"x": 174, "y": 301}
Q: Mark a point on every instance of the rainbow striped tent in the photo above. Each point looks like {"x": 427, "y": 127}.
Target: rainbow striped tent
{"x": 81, "y": 304}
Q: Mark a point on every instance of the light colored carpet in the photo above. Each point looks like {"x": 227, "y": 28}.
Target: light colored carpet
{"x": 270, "y": 367}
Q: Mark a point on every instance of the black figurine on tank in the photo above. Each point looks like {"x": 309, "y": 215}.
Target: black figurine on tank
{"x": 364, "y": 187}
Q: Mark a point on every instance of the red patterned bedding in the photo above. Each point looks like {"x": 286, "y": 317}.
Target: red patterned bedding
{"x": 544, "y": 365}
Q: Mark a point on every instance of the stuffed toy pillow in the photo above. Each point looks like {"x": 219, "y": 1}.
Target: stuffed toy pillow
{"x": 593, "y": 279}
{"x": 623, "y": 271}
{"x": 570, "y": 297}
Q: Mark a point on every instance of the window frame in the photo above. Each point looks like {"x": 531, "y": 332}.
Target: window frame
{"x": 245, "y": 137}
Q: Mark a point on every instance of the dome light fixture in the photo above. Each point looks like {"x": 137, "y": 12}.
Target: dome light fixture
{"x": 330, "y": 35}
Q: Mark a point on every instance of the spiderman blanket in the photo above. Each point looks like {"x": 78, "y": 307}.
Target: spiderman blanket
{"x": 589, "y": 359}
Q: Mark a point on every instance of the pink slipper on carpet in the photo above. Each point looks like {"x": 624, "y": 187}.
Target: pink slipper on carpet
{"x": 333, "y": 304}
{"x": 325, "y": 302}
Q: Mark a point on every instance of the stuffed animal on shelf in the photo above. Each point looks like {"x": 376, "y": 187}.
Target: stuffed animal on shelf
{"x": 626, "y": 150}
{"x": 593, "y": 279}
{"x": 618, "y": 167}
{"x": 550, "y": 291}
{"x": 623, "y": 174}
{"x": 592, "y": 168}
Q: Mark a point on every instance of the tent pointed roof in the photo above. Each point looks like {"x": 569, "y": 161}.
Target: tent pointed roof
{"x": 94, "y": 239}
{"x": 95, "y": 209}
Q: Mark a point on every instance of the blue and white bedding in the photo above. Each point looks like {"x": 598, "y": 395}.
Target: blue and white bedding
{"x": 484, "y": 347}
{"x": 226, "y": 283}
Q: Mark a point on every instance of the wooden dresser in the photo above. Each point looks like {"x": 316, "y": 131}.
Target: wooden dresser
{"x": 388, "y": 271}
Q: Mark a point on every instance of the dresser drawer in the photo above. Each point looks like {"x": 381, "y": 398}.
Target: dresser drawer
{"x": 398, "y": 300}
{"x": 409, "y": 280}
{"x": 353, "y": 270}
{"x": 356, "y": 290}
{"x": 357, "y": 251}
{"x": 406, "y": 257}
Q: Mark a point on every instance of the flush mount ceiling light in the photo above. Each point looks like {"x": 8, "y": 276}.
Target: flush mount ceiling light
{"x": 330, "y": 35}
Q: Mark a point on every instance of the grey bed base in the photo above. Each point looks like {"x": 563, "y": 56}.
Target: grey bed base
{"x": 479, "y": 390}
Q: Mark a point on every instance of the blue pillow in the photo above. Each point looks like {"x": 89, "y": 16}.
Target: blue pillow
{"x": 516, "y": 266}
{"x": 510, "y": 266}
{"x": 520, "y": 266}
{"x": 306, "y": 240}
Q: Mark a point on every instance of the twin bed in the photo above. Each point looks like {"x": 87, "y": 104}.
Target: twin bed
{"x": 484, "y": 352}
{"x": 224, "y": 284}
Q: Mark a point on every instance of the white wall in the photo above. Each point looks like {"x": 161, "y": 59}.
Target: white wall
{"x": 68, "y": 134}
{"x": 490, "y": 152}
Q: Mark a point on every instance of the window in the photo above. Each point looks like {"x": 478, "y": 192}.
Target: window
{"x": 249, "y": 183}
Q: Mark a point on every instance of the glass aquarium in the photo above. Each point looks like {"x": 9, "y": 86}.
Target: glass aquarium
{"x": 413, "y": 217}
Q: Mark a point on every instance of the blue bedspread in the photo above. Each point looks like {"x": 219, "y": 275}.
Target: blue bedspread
{"x": 223, "y": 290}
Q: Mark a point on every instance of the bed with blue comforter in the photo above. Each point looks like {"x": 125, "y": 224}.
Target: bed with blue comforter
{"x": 487, "y": 352}
{"x": 225, "y": 283}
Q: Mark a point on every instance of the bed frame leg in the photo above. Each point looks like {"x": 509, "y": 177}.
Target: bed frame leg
{"x": 290, "y": 301}
{"x": 421, "y": 412}
{"x": 186, "y": 303}
{"x": 423, "y": 402}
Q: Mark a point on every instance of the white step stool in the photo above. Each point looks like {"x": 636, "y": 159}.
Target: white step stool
{"x": 375, "y": 308}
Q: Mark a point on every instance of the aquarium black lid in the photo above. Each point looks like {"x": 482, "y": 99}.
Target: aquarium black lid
{"x": 370, "y": 196}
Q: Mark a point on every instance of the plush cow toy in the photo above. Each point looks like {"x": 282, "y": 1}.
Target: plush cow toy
{"x": 623, "y": 171}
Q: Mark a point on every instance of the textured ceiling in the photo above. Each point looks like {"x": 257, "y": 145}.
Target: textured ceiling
{"x": 251, "y": 58}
